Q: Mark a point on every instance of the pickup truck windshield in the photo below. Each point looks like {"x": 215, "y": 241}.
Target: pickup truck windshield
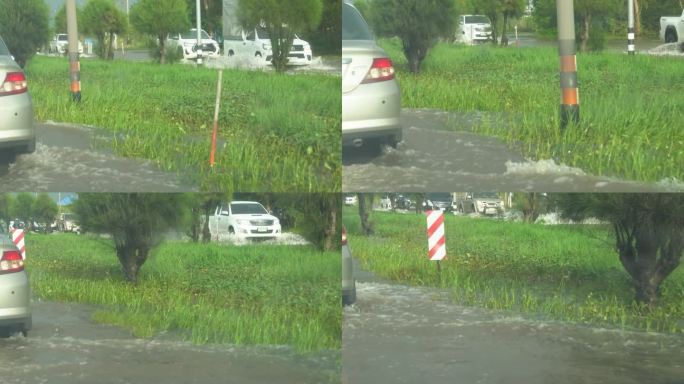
{"x": 485, "y": 195}
{"x": 248, "y": 208}
{"x": 193, "y": 35}
{"x": 477, "y": 19}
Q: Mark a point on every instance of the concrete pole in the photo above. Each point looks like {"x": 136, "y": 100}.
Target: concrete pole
{"x": 630, "y": 27}
{"x": 199, "y": 33}
{"x": 74, "y": 63}
{"x": 569, "y": 107}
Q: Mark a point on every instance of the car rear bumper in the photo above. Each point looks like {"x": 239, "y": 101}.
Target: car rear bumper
{"x": 371, "y": 110}
{"x": 16, "y": 120}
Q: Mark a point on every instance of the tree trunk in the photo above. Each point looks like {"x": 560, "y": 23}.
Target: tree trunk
{"x": 584, "y": 35}
{"x": 366, "y": 227}
{"x": 162, "y": 50}
{"x": 504, "y": 37}
{"x": 637, "y": 18}
{"x": 206, "y": 233}
{"x": 330, "y": 232}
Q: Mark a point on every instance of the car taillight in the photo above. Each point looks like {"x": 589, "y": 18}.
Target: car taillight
{"x": 381, "y": 70}
{"x": 344, "y": 236}
{"x": 15, "y": 82}
{"x": 11, "y": 262}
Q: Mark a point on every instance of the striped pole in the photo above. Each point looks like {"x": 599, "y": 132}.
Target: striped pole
{"x": 630, "y": 27}
{"x": 435, "y": 232}
{"x": 74, "y": 63}
{"x": 569, "y": 106}
{"x": 18, "y": 240}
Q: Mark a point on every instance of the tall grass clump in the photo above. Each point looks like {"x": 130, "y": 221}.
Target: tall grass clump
{"x": 631, "y": 107}
{"x": 206, "y": 293}
{"x": 565, "y": 272}
{"x": 276, "y": 133}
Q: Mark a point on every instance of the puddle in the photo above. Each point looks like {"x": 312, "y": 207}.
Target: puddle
{"x": 66, "y": 347}
{"x": 68, "y": 159}
{"x": 399, "y": 334}
{"x": 433, "y": 159}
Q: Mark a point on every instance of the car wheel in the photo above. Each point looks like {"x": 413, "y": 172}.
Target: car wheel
{"x": 231, "y": 231}
{"x": 30, "y": 147}
{"x": 670, "y": 36}
{"x": 231, "y": 53}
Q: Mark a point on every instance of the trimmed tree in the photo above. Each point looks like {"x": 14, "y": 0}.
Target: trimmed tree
{"x": 104, "y": 20}
{"x": 649, "y": 233}
{"x": 22, "y": 208}
{"x": 159, "y": 18}
{"x": 281, "y": 19}
{"x": 418, "y": 23}
{"x": 136, "y": 222}
{"x": 366, "y": 226}
{"x": 25, "y": 27}
{"x": 44, "y": 209}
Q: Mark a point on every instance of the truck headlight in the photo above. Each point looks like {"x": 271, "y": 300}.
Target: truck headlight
{"x": 266, "y": 47}
{"x": 243, "y": 222}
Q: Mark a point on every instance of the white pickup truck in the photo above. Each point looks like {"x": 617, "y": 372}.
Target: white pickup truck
{"x": 186, "y": 43}
{"x": 244, "y": 219}
{"x": 473, "y": 29}
{"x": 672, "y": 28}
{"x": 60, "y": 44}
{"x": 257, "y": 43}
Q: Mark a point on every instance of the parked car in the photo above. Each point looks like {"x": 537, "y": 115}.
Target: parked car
{"x": 386, "y": 201}
{"x": 257, "y": 43}
{"x": 15, "y": 311}
{"x": 350, "y": 200}
{"x": 371, "y": 100}
{"x": 484, "y": 203}
{"x": 439, "y": 201}
{"x": 348, "y": 281}
{"x": 186, "y": 44}
{"x": 403, "y": 202}
{"x": 60, "y": 45}
{"x": 66, "y": 222}
{"x": 473, "y": 29}
{"x": 17, "y": 133}
{"x": 245, "y": 219}
{"x": 672, "y": 28}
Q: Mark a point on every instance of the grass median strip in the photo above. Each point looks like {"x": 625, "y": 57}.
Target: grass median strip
{"x": 631, "y": 107}
{"x": 277, "y": 132}
{"x": 563, "y": 272}
{"x": 248, "y": 295}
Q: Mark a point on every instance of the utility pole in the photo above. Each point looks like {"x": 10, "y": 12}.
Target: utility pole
{"x": 630, "y": 27}
{"x": 567, "y": 50}
{"x": 199, "y": 33}
{"x": 74, "y": 63}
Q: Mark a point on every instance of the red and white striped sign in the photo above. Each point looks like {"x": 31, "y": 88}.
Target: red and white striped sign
{"x": 18, "y": 239}
{"x": 435, "y": 232}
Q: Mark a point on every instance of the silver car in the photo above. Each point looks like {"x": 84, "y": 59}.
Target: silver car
{"x": 371, "y": 101}
{"x": 15, "y": 312}
{"x": 17, "y": 134}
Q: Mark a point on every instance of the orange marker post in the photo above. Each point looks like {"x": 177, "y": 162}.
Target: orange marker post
{"x": 216, "y": 113}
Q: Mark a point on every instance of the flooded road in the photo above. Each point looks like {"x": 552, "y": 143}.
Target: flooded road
{"x": 65, "y": 347}
{"x": 431, "y": 158}
{"x": 398, "y": 334}
{"x": 68, "y": 159}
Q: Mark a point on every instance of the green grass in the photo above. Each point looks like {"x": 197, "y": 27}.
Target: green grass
{"x": 281, "y": 132}
{"x": 631, "y": 107}
{"x": 251, "y": 295}
{"x": 563, "y": 272}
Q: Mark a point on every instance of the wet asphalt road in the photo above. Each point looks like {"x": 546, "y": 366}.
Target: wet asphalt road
{"x": 431, "y": 158}
{"x": 398, "y": 334}
{"x": 68, "y": 158}
{"x": 66, "y": 347}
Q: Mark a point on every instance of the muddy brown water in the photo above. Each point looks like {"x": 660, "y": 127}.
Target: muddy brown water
{"x": 432, "y": 158}
{"x": 69, "y": 158}
{"x": 66, "y": 347}
{"x": 399, "y": 334}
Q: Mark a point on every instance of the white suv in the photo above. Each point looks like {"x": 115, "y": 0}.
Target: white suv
{"x": 60, "y": 44}
{"x": 246, "y": 219}
{"x": 257, "y": 43}
{"x": 186, "y": 43}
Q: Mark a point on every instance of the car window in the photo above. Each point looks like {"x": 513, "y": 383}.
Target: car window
{"x": 477, "y": 19}
{"x": 485, "y": 195}
{"x": 247, "y": 208}
{"x": 3, "y": 49}
{"x": 354, "y": 27}
{"x": 62, "y": 37}
{"x": 250, "y": 35}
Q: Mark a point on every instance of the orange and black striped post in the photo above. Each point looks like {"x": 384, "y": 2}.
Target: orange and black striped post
{"x": 74, "y": 63}
{"x": 569, "y": 106}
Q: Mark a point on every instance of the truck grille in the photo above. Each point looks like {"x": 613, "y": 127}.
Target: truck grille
{"x": 261, "y": 222}
{"x": 256, "y": 232}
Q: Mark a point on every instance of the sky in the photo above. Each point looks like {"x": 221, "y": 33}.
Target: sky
{"x": 56, "y": 4}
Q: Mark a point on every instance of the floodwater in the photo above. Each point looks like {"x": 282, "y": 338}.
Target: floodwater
{"x": 65, "y": 347}
{"x": 398, "y": 334}
{"x": 331, "y": 66}
{"x": 431, "y": 158}
{"x": 67, "y": 158}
